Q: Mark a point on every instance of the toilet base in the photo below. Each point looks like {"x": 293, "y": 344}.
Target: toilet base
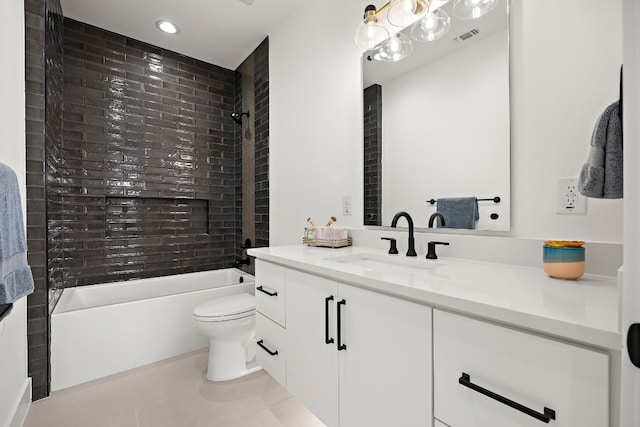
{"x": 228, "y": 360}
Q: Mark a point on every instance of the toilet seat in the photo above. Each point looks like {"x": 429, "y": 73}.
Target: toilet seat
{"x": 223, "y": 309}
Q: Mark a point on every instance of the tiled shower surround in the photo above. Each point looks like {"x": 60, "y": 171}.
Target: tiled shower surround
{"x": 148, "y": 175}
{"x": 139, "y": 173}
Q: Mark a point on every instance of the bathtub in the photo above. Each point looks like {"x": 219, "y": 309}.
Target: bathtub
{"x": 100, "y": 330}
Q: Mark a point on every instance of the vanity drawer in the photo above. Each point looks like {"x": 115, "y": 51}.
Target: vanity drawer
{"x": 271, "y": 352}
{"x": 474, "y": 358}
{"x": 270, "y": 290}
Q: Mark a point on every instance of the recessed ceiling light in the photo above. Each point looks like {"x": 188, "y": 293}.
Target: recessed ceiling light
{"x": 167, "y": 27}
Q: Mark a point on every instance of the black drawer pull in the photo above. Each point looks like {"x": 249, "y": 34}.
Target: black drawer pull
{"x": 267, "y": 349}
{"x": 341, "y": 346}
{"x": 271, "y": 294}
{"x": 548, "y": 415}
{"x": 327, "y": 339}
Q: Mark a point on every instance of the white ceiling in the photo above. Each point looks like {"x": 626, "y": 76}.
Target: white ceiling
{"x": 221, "y": 32}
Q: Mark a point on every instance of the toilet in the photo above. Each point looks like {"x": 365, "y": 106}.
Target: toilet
{"x": 229, "y": 322}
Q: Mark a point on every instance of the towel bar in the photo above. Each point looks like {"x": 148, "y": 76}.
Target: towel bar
{"x": 493, "y": 199}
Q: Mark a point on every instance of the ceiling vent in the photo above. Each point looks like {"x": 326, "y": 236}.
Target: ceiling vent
{"x": 466, "y": 36}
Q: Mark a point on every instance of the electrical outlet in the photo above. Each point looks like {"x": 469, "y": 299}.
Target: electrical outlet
{"x": 346, "y": 205}
{"x": 568, "y": 199}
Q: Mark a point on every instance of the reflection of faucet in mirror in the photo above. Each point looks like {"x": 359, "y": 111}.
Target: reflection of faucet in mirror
{"x": 434, "y": 216}
{"x": 412, "y": 250}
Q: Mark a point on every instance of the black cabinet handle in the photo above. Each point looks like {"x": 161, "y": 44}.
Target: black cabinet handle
{"x": 327, "y": 339}
{"x": 267, "y": 349}
{"x": 271, "y": 294}
{"x": 548, "y": 415}
{"x": 341, "y": 346}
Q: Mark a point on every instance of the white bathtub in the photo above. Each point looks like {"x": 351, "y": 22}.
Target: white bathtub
{"x": 100, "y": 330}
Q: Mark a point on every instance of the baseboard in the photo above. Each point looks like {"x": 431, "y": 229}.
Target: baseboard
{"x": 23, "y": 407}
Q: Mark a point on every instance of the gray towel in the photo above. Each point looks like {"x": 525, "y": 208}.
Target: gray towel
{"x": 458, "y": 212}
{"x": 16, "y": 280}
{"x": 601, "y": 176}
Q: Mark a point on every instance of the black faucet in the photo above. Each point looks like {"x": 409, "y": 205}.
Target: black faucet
{"x": 434, "y": 216}
{"x": 244, "y": 260}
{"x": 431, "y": 252}
{"x": 412, "y": 249}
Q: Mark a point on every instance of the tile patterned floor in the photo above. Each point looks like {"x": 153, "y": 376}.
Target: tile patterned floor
{"x": 172, "y": 393}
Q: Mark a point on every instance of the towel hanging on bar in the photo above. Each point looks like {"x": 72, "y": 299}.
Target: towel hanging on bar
{"x": 16, "y": 280}
{"x": 458, "y": 212}
{"x": 601, "y": 176}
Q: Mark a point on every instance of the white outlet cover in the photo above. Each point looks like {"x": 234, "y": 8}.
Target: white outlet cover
{"x": 568, "y": 198}
{"x": 346, "y": 205}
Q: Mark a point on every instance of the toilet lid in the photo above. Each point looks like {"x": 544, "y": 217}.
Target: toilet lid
{"x": 226, "y": 306}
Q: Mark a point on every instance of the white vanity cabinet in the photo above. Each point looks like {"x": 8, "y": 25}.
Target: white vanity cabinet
{"x": 549, "y": 381}
{"x": 355, "y": 357}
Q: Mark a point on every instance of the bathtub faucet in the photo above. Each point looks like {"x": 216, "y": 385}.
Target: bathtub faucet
{"x": 245, "y": 260}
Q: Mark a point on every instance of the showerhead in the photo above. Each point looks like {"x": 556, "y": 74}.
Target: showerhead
{"x": 237, "y": 117}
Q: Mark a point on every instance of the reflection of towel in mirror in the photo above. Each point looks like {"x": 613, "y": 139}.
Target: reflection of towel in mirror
{"x": 458, "y": 212}
{"x": 16, "y": 280}
{"x": 601, "y": 176}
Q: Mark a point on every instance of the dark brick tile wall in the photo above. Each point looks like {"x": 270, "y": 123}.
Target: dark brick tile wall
{"x": 54, "y": 84}
{"x": 261, "y": 93}
{"x": 373, "y": 155}
{"x": 237, "y": 139}
{"x": 43, "y": 85}
{"x": 148, "y": 182}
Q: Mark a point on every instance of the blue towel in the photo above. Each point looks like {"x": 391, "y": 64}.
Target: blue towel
{"x": 458, "y": 212}
{"x": 16, "y": 280}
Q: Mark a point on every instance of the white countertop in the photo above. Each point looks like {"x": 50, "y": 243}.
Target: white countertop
{"x": 584, "y": 310}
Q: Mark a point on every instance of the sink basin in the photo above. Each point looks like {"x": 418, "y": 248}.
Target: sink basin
{"x": 390, "y": 263}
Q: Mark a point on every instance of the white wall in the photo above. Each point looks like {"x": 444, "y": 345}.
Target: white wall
{"x": 315, "y": 115}
{"x": 465, "y": 152}
{"x": 565, "y": 63}
{"x": 566, "y": 58}
{"x": 13, "y": 330}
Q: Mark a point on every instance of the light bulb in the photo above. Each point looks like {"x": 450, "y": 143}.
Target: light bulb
{"x": 473, "y": 9}
{"x": 432, "y": 27}
{"x": 368, "y": 32}
{"x": 404, "y": 12}
{"x": 167, "y": 27}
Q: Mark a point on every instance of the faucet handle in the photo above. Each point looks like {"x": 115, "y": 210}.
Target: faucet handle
{"x": 431, "y": 249}
{"x": 393, "y": 248}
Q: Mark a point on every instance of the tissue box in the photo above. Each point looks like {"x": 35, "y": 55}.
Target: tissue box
{"x": 330, "y": 237}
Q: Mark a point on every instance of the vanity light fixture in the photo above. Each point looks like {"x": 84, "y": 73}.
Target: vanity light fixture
{"x": 167, "y": 27}
{"x": 400, "y": 13}
{"x": 427, "y": 20}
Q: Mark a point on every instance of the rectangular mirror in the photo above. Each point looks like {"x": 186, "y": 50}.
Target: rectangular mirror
{"x": 437, "y": 124}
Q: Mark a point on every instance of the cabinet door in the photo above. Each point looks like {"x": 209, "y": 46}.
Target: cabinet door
{"x": 543, "y": 375}
{"x": 385, "y": 370}
{"x": 271, "y": 351}
{"x": 270, "y": 289}
{"x": 312, "y": 364}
